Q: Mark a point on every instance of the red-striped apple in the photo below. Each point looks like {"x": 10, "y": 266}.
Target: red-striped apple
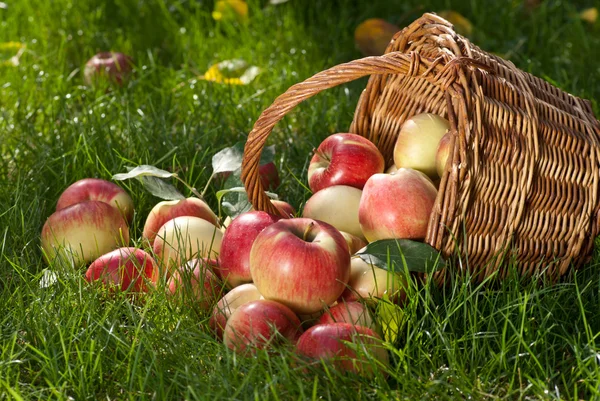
{"x": 355, "y": 313}
{"x": 112, "y": 67}
{"x": 369, "y": 283}
{"x": 126, "y": 269}
{"x": 229, "y": 303}
{"x": 196, "y": 281}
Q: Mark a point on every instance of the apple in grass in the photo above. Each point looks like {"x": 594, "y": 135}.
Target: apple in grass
{"x": 355, "y": 243}
{"x": 235, "y": 298}
{"x": 396, "y": 205}
{"x": 196, "y": 281}
{"x": 355, "y": 313}
{"x": 84, "y": 231}
{"x": 344, "y": 159}
{"x": 126, "y": 269}
{"x": 112, "y": 67}
{"x": 302, "y": 263}
{"x": 285, "y": 210}
{"x": 259, "y": 325}
{"x": 369, "y": 283}
{"x": 98, "y": 190}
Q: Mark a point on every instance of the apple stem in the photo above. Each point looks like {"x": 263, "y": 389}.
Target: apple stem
{"x": 321, "y": 154}
{"x": 307, "y": 230}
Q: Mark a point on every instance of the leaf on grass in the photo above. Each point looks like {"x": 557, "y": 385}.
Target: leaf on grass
{"x": 231, "y": 72}
{"x": 589, "y": 15}
{"x": 228, "y": 159}
{"x": 373, "y": 36}
{"x": 230, "y": 10}
{"x": 462, "y": 25}
{"x": 400, "y": 254}
{"x": 391, "y": 319}
{"x": 233, "y": 198}
{"x": 151, "y": 178}
{"x": 268, "y": 155}
{"x": 276, "y": 2}
{"x": 143, "y": 170}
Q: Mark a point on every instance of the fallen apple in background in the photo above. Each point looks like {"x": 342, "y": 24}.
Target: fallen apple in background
{"x": 373, "y": 36}
{"x": 168, "y": 210}
{"x": 355, "y": 313}
{"x": 269, "y": 177}
{"x": 344, "y": 159}
{"x": 355, "y": 243}
{"x": 229, "y": 303}
{"x": 125, "y": 269}
{"x": 369, "y": 283}
{"x": 442, "y": 153}
{"x": 302, "y": 263}
{"x": 112, "y": 67}
{"x": 396, "y": 205}
{"x": 259, "y": 325}
{"x": 98, "y": 190}
{"x": 285, "y": 209}
{"x": 196, "y": 281}
{"x": 84, "y": 231}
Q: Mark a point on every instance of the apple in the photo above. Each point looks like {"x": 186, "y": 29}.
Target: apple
{"x": 369, "y": 282}
{"x": 442, "y": 153}
{"x": 396, "y": 205}
{"x": 84, "y": 231}
{"x": 99, "y": 190}
{"x": 260, "y": 324}
{"x": 269, "y": 177}
{"x": 355, "y": 313}
{"x": 338, "y": 206}
{"x": 185, "y": 238}
{"x": 302, "y": 263}
{"x": 392, "y": 169}
{"x": 234, "y": 256}
{"x": 167, "y": 210}
{"x": 285, "y": 209}
{"x": 350, "y": 348}
{"x": 417, "y": 142}
{"x": 229, "y": 303}
{"x": 125, "y": 269}
{"x": 111, "y": 66}
{"x": 344, "y": 159}
{"x": 355, "y": 243}
{"x": 373, "y": 36}
{"x": 196, "y": 280}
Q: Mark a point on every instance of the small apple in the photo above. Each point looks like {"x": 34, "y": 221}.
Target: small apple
{"x": 350, "y": 348}
{"x": 344, "y": 159}
{"x": 369, "y": 283}
{"x": 442, "y": 153}
{"x": 84, "y": 231}
{"x": 373, "y": 36}
{"x": 338, "y": 206}
{"x": 355, "y": 313}
{"x": 260, "y": 324}
{"x": 234, "y": 257}
{"x": 196, "y": 280}
{"x": 111, "y": 66}
{"x": 285, "y": 209}
{"x": 99, "y": 190}
{"x": 125, "y": 269}
{"x": 396, "y": 205}
{"x": 229, "y": 303}
{"x": 302, "y": 263}
{"x": 168, "y": 210}
{"x": 417, "y": 142}
{"x": 269, "y": 177}
{"x": 355, "y": 244}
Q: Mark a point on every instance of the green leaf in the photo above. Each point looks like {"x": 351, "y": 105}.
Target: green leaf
{"x": 160, "y": 188}
{"x": 390, "y": 317}
{"x": 228, "y": 159}
{"x": 402, "y": 254}
{"x": 268, "y": 155}
{"x": 233, "y": 198}
{"x": 143, "y": 170}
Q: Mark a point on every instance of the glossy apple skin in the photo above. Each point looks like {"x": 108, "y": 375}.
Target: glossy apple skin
{"x": 256, "y": 325}
{"x": 442, "y": 153}
{"x": 229, "y": 303}
{"x": 84, "y": 231}
{"x": 234, "y": 256}
{"x": 197, "y": 281}
{"x": 99, "y": 190}
{"x": 126, "y": 269}
{"x": 168, "y": 210}
{"x": 302, "y": 263}
{"x": 113, "y": 67}
{"x": 337, "y": 205}
{"x": 355, "y": 313}
{"x": 285, "y": 209}
{"x": 355, "y": 243}
{"x": 344, "y": 159}
{"x": 396, "y": 205}
{"x": 370, "y": 283}
{"x": 269, "y": 176}
{"x": 330, "y": 342}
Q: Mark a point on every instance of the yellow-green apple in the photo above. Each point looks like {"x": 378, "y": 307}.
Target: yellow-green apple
{"x": 344, "y": 159}
{"x": 269, "y": 177}
{"x": 373, "y": 36}
{"x": 196, "y": 281}
{"x": 441, "y": 155}
{"x": 355, "y": 243}
{"x": 112, "y": 67}
{"x": 168, "y": 210}
{"x": 369, "y": 283}
{"x": 396, "y": 205}
{"x": 125, "y": 269}
{"x": 417, "y": 142}
{"x": 84, "y": 231}
{"x": 338, "y": 206}
{"x": 234, "y": 256}
{"x": 302, "y": 263}
{"x": 259, "y": 325}
{"x": 99, "y": 190}
{"x": 355, "y": 313}
{"x": 229, "y": 303}
{"x": 185, "y": 238}
{"x": 350, "y": 348}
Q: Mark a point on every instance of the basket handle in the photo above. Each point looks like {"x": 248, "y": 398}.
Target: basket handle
{"x": 398, "y": 63}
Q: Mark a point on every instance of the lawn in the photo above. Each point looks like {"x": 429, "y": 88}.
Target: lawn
{"x": 515, "y": 340}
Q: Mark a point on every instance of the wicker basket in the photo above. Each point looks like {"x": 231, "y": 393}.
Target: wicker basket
{"x": 522, "y": 180}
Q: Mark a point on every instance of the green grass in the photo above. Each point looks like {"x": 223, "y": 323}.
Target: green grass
{"x": 517, "y": 340}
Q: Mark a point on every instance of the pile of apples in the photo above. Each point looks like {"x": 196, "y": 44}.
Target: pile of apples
{"x": 271, "y": 278}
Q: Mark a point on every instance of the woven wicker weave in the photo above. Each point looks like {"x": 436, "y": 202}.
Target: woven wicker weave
{"x": 522, "y": 180}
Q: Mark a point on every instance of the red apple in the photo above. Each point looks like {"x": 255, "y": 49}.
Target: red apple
{"x": 396, "y": 205}
{"x": 442, "y": 153}
{"x": 168, "y": 210}
{"x": 344, "y": 159}
{"x": 350, "y": 348}
{"x": 125, "y": 269}
{"x": 355, "y": 313}
{"x": 229, "y": 303}
{"x": 110, "y": 66}
{"x": 370, "y": 283}
{"x": 302, "y": 263}
{"x": 99, "y": 190}
{"x": 285, "y": 209}
{"x": 84, "y": 231}
{"x": 260, "y": 324}
{"x": 355, "y": 243}
{"x": 234, "y": 256}
{"x": 196, "y": 280}
{"x": 269, "y": 177}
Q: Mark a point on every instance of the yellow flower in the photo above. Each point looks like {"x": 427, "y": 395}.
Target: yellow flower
{"x": 228, "y": 10}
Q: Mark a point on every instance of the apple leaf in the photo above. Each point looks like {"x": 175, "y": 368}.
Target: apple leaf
{"x": 402, "y": 254}
{"x": 234, "y": 198}
{"x": 151, "y": 179}
{"x": 143, "y": 170}
{"x": 228, "y": 159}
{"x": 390, "y": 317}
